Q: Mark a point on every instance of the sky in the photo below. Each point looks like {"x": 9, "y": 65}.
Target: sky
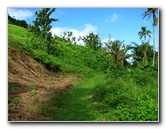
{"x": 120, "y": 23}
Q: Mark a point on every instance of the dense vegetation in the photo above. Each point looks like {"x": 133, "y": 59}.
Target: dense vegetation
{"x": 112, "y": 88}
{"x": 14, "y": 21}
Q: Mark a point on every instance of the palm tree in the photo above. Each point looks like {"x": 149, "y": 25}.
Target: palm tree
{"x": 152, "y": 12}
{"x": 123, "y": 55}
{"x": 143, "y": 33}
{"x": 119, "y": 52}
{"x": 143, "y": 52}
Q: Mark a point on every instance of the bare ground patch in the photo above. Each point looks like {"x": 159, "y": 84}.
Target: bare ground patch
{"x": 30, "y": 85}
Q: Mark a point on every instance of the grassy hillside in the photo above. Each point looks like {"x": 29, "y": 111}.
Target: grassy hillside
{"x": 103, "y": 94}
{"x": 65, "y": 57}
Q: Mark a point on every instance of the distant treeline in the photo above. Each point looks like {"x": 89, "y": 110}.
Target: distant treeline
{"x": 14, "y": 21}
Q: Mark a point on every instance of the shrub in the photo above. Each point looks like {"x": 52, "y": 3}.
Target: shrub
{"x": 127, "y": 99}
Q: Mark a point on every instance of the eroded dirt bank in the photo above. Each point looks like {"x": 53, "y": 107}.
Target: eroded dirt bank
{"x": 31, "y": 85}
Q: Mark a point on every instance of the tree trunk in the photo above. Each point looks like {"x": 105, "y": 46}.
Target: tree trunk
{"x": 153, "y": 46}
{"x": 122, "y": 63}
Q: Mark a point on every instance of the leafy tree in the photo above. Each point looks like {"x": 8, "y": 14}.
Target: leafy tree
{"x": 14, "y": 21}
{"x": 22, "y": 23}
{"x": 42, "y": 25}
{"x": 11, "y": 20}
{"x": 68, "y": 36}
{"x": 92, "y": 41}
{"x": 152, "y": 12}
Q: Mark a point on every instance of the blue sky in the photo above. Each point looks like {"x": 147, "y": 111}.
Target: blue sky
{"x": 121, "y": 23}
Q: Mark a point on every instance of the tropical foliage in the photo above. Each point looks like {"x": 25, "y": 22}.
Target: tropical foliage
{"x": 41, "y": 27}
{"x": 14, "y": 21}
{"x": 92, "y": 41}
{"x": 152, "y": 12}
{"x": 112, "y": 88}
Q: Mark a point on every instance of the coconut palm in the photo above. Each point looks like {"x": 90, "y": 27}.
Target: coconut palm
{"x": 114, "y": 49}
{"x": 143, "y": 52}
{"x": 119, "y": 52}
{"x": 143, "y": 33}
{"x": 123, "y": 55}
{"x": 152, "y": 12}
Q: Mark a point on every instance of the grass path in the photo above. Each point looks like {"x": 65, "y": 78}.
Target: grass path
{"x": 76, "y": 105}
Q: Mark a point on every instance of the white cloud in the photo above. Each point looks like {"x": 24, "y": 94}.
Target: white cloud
{"x": 113, "y": 18}
{"x": 88, "y": 28}
{"x": 20, "y": 14}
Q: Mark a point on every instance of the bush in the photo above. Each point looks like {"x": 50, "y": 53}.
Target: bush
{"x": 127, "y": 99}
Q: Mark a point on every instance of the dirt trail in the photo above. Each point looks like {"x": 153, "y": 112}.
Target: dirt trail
{"x": 30, "y": 85}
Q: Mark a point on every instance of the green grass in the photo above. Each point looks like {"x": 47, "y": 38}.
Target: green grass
{"x": 116, "y": 100}
{"x": 34, "y": 90}
{"x": 75, "y": 105}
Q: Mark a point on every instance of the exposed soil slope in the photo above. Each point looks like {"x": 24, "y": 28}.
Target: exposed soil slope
{"x": 32, "y": 85}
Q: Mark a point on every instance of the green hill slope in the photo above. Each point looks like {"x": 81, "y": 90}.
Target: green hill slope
{"x": 64, "y": 57}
